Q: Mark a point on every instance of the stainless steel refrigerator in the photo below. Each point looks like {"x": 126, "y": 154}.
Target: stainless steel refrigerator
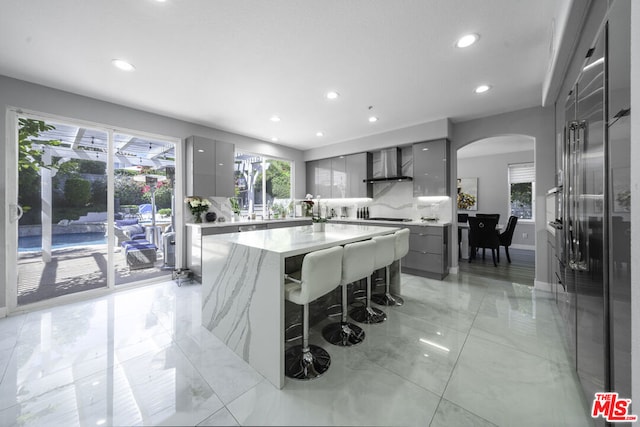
{"x": 596, "y": 210}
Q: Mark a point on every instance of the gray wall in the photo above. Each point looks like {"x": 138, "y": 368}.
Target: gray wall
{"x": 493, "y": 188}
{"x": 437, "y": 129}
{"x": 536, "y": 122}
{"x": 28, "y": 96}
{"x": 635, "y": 202}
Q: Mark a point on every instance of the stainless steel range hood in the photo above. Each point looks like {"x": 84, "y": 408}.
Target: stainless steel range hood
{"x": 387, "y": 166}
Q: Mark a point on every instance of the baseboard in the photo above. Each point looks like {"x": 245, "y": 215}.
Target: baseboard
{"x": 454, "y": 270}
{"x": 527, "y": 247}
{"x": 542, "y": 286}
{"x": 3, "y": 312}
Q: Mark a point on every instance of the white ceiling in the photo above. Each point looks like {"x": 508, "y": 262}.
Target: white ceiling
{"x": 233, "y": 64}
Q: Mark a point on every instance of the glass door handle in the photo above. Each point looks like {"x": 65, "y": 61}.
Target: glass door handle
{"x": 18, "y": 212}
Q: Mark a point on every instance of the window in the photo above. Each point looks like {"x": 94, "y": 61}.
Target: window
{"x": 522, "y": 184}
{"x": 259, "y": 192}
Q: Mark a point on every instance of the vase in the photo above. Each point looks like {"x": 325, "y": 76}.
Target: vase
{"x": 318, "y": 226}
{"x": 198, "y": 218}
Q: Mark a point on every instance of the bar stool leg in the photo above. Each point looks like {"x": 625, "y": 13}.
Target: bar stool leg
{"x": 306, "y": 362}
{"x": 368, "y": 314}
{"x": 387, "y": 298}
{"x": 343, "y": 333}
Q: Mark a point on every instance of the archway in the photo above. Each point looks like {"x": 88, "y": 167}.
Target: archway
{"x": 497, "y": 175}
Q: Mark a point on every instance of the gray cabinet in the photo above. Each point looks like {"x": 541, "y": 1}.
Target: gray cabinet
{"x": 209, "y": 166}
{"x": 339, "y": 177}
{"x": 312, "y": 177}
{"x": 323, "y": 179}
{"x": 431, "y": 168}
{"x": 428, "y": 255}
{"x": 356, "y": 172}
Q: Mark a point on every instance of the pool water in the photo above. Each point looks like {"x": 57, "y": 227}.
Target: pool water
{"x": 34, "y": 243}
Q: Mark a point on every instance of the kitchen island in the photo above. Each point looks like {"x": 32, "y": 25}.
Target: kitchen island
{"x": 243, "y": 286}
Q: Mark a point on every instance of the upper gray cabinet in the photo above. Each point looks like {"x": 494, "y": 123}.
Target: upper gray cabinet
{"x": 431, "y": 168}
{"x": 339, "y": 177}
{"x": 356, "y": 173}
{"x": 209, "y": 167}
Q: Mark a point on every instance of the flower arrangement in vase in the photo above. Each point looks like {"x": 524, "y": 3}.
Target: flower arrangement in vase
{"x": 307, "y": 205}
{"x": 197, "y": 205}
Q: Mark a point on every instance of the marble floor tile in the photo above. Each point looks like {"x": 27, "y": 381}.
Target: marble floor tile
{"x": 221, "y": 418}
{"x": 510, "y": 387}
{"x": 467, "y": 350}
{"x": 419, "y": 352}
{"x": 224, "y": 371}
{"x": 353, "y": 391}
{"x": 450, "y": 414}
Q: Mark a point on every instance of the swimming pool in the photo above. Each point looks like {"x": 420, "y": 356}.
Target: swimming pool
{"x": 34, "y": 243}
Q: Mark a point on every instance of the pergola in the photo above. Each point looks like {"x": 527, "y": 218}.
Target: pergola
{"x": 89, "y": 144}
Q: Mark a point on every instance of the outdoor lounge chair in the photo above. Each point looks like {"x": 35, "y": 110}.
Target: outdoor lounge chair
{"x": 128, "y": 229}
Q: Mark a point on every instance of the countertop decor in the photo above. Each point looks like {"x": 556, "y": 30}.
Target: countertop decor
{"x": 197, "y": 205}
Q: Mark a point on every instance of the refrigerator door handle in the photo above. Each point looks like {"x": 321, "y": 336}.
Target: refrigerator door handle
{"x": 578, "y": 241}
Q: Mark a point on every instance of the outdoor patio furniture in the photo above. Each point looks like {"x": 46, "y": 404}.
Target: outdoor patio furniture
{"x": 139, "y": 253}
{"x": 128, "y": 229}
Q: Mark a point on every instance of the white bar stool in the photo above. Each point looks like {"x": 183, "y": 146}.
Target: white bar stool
{"x": 399, "y": 250}
{"x": 357, "y": 263}
{"x": 385, "y": 255}
{"x": 321, "y": 273}
{"x": 362, "y": 262}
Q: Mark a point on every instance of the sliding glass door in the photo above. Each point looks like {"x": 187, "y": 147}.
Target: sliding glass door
{"x": 95, "y": 209}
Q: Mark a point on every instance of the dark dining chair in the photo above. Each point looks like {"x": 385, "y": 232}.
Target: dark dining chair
{"x": 482, "y": 234}
{"x": 506, "y": 237}
{"x": 496, "y": 216}
{"x": 462, "y": 219}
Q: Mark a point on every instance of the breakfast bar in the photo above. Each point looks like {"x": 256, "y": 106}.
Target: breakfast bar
{"x": 243, "y": 286}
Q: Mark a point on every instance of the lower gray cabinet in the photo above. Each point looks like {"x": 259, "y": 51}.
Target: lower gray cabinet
{"x": 428, "y": 255}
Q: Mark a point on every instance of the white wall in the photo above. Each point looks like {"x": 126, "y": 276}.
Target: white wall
{"x": 535, "y": 122}
{"x": 493, "y": 188}
{"x": 28, "y": 96}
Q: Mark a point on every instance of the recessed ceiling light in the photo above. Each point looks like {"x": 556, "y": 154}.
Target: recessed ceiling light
{"x": 123, "y": 65}
{"x": 200, "y": 150}
{"x": 319, "y": 134}
{"x": 482, "y": 88}
{"x": 332, "y": 95}
{"x": 274, "y": 139}
{"x": 275, "y": 119}
{"x": 467, "y": 40}
{"x": 373, "y": 119}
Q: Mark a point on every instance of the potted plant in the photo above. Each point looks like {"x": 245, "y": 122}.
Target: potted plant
{"x": 235, "y": 208}
{"x": 197, "y": 205}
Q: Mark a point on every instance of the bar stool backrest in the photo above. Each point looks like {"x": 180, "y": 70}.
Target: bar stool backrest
{"x": 321, "y": 273}
{"x": 385, "y": 250}
{"x": 358, "y": 261}
{"x": 402, "y": 243}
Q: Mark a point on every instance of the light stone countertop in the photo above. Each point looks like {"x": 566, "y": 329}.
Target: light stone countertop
{"x": 246, "y": 222}
{"x": 396, "y": 223}
{"x": 291, "y": 241}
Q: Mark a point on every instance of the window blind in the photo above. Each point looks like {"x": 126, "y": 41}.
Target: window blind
{"x": 522, "y": 172}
